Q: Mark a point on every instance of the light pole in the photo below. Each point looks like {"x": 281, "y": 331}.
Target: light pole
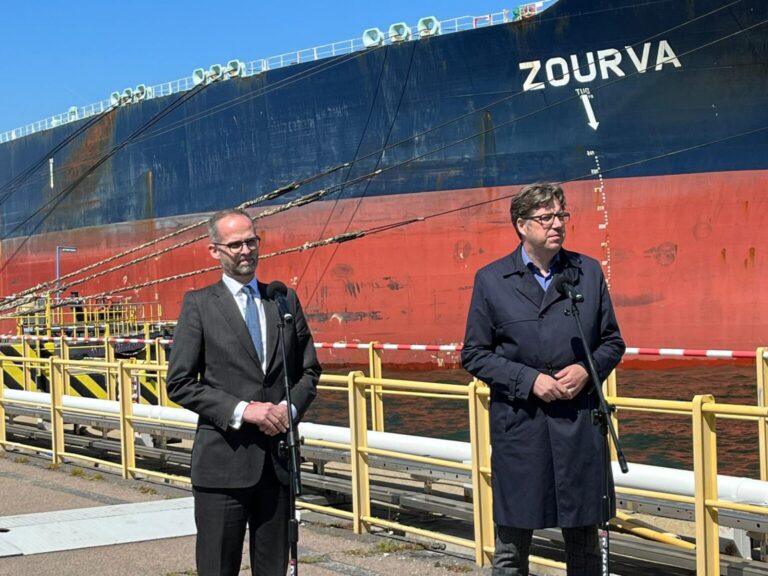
{"x": 59, "y": 250}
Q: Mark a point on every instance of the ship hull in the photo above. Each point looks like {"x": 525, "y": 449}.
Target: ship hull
{"x": 656, "y": 122}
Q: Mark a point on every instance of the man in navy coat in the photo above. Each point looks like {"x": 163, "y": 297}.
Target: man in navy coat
{"x": 547, "y": 456}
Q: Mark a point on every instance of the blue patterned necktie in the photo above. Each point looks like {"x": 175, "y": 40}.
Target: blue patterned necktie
{"x": 252, "y": 320}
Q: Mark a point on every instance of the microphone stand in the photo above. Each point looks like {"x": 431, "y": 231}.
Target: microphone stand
{"x": 290, "y": 447}
{"x": 601, "y": 416}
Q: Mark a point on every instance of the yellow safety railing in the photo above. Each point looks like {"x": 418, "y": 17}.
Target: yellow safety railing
{"x": 128, "y": 421}
{"x": 702, "y": 410}
{"x": 761, "y": 365}
{"x": 123, "y": 374}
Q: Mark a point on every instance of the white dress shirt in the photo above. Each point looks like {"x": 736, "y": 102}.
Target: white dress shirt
{"x": 236, "y": 288}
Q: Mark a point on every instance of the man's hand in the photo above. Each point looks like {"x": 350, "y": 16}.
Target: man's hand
{"x": 566, "y": 384}
{"x": 572, "y": 378}
{"x": 548, "y": 389}
{"x": 272, "y": 419}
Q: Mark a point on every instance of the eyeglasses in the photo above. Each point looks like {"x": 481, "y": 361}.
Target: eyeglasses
{"x": 548, "y": 219}
{"x": 237, "y": 246}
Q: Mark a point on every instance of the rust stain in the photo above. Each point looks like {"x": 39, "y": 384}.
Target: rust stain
{"x": 149, "y": 197}
{"x": 624, "y": 300}
{"x": 702, "y": 230}
{"x": 723, "y": 255}
{"x": 393, "y": 284}
{"x": 462, "y": 250}
{"x": 342, "y": 271}
{"x": 749, "y": 261}
{"x": 343, "y": 317}
{"x": 87, "y": 150}
{"x": 665, "y": 253}
{"x": 352, "y": 288}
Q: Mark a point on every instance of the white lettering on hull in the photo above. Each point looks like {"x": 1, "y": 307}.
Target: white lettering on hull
{"x": 610, "y": 62}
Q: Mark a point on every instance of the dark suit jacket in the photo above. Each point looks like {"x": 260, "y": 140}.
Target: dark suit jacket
{"x": 214, "y": 366}
{"x": 547, "y": 457}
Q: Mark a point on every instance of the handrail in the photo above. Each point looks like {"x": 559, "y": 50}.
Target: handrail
{"x": 381, "y": 347}
{"x": 252, "y": 68}
{"x": 376, "y": 349}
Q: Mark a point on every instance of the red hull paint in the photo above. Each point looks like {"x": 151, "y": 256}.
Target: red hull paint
{"x": 685, "y": 256}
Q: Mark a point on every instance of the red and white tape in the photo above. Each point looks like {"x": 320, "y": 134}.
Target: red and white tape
{"x": 631, "y": 351}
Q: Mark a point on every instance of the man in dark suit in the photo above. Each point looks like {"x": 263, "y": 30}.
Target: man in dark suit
{"x": 547, "y": 455}
{"x": 226, "y": 366}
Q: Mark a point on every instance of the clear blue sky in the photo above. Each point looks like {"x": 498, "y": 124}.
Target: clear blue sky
{"x": 58, "y": 53}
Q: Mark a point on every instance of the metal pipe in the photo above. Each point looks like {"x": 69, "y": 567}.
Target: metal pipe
{"x": 640, "y": 476}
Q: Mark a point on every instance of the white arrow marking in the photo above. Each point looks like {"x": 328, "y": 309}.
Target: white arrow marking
{"x": 593, "y": 123}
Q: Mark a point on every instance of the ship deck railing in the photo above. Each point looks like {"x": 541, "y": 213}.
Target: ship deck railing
{"x": 133, "y": 419}
{"x": 259, "y": 66}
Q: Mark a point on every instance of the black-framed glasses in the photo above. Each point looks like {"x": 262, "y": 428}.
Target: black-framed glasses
{"x": 548, "y": 219}
{"x": 237, "y": 245}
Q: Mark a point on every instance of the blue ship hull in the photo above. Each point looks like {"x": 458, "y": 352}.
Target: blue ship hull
{"x": 626, "y": 102}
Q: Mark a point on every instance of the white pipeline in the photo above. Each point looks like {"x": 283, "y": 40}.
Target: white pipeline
{"x": 640, "y": 476}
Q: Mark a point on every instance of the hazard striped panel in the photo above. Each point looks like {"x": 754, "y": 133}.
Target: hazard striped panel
{"x": 88, "y": 385}
{"x": 13, "y": 374}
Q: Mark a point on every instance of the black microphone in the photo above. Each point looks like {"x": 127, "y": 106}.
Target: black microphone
{"x": 564, "y": 286}
{"x": 277, "y": 291}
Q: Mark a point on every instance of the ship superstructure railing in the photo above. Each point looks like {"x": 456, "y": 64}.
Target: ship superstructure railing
{"x": 123, "y": 421}
{"x": 99, "y": 317}
{"x": 259, "y": 66}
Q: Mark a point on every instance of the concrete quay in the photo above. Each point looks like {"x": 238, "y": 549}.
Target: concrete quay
{"x": 38, "y": 500}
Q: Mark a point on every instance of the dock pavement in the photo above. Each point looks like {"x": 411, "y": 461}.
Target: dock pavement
{"x": 46, "y": 509}
{"x": 81, "y": 520}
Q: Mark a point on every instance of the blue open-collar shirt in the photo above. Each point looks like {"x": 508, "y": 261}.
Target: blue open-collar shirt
{"x": 554, "y": 268}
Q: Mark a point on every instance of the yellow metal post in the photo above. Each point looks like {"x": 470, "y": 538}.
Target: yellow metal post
{"x": 377, "y": 397}
{"x": 610, "y": 389}
{"x": 87, "y": 321}
{"x": 479, "y": 434}
{"x": 66, "y": 373}
{"x": 160, "y": 351}
{"x": 57, "y": 410}
{"x": 761, "y": 364}
{"x": 127, "y": 432}
{"x": 2, "y": 403}
{"x": 48, "y": 316}
{"x": 358, "y": 440}
{"x": 26, "y": 352}
{"x": 147, "y": 347}
{"x": 109, "y": 354}
{"x": 162, "y": 390}
{"x": 705, "y": 479}
{"x": 106, "y": 334}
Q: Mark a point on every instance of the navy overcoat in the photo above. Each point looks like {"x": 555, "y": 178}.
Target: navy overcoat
{"x": 547, "y": 458}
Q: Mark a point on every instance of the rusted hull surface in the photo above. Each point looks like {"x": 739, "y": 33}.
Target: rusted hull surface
{"x": 686, "y": 258}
